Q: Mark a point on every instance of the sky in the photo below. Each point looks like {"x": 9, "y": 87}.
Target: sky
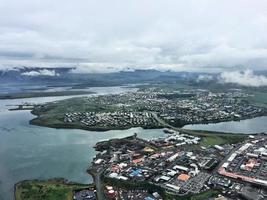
{"x": 98, "y": 35}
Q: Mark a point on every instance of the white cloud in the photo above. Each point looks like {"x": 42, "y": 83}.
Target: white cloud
{"x": 114, "y": 67}
{"x": 42, "y": 72}
{"x": 204, "y": 78}
{"x": 245, "y": 78}
{"x": 204, "y": 35}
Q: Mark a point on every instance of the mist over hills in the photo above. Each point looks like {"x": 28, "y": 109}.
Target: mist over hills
{"x": 66, "y": 77}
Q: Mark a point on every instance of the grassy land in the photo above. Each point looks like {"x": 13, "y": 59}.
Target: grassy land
{"x": 78, "y": 104}
{"x": 54, "y": 189}
{"x": 212, "y": 138}
{"x": 52, "y": 114}
{"x": 220, "y": 139}
{"x": 259, "y": 99}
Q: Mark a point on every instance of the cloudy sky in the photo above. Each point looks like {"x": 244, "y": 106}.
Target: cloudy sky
{"x": 95, "y": 35}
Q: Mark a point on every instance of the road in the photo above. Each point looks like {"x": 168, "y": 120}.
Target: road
{"x": 226, "y": 158}
{"x": 165, "y": 124}
{"x": 96, "y": 173}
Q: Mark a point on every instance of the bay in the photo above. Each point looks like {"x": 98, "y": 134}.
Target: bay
{"x": 33, "y": 152}
{"x": 247, "y": 126}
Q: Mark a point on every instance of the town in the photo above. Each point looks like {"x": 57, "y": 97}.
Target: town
{"x": 248, "y": 163}
{"x": 148, "y": 108}
{"x": 115, "y": 119}
{"x": 177, "y": 165}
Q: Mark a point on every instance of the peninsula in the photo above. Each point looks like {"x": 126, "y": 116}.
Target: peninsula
{"x": 147, "y": 108}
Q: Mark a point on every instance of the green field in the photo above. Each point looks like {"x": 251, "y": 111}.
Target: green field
{"x": 258, "y": 99}
{"x": 212, "y": 138}
{"x": 218, "y": 139}
{"x": 54, "y": 189}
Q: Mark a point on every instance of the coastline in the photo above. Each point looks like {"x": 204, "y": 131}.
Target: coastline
{"x": 53, "y": 182}
{"x": 225, "y": 120}
{"x": 98, "y": 129}
{"x": 36, "y": 121}
{"x": 43, "y": 94}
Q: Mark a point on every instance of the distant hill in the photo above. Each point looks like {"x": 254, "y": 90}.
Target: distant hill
{"x": 65, "y": 77}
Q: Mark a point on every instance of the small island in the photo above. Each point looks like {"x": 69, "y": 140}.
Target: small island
{"x": 52, "y": 189}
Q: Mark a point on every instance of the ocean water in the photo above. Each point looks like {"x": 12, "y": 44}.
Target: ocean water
{"x": 247, "y": 126}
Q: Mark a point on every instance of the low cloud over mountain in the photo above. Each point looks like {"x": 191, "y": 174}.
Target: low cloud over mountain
{"x": 41, "y": 72}
{"x": 245, "y": 78}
